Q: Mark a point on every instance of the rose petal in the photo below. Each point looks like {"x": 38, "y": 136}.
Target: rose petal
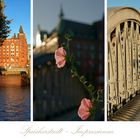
{"x": 86, "y": 102}
{"x": 59, "y": 59}
{"x": 84, "y": 114}
{"x": 60, "y": 54}
{"x": 83, "y": 111}
{"x": 61, "y": 64}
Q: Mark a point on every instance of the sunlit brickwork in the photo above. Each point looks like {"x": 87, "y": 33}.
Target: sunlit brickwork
{"x": 14, "y": 51}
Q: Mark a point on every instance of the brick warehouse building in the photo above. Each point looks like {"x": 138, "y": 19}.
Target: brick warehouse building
{"x": 14, "y": 51}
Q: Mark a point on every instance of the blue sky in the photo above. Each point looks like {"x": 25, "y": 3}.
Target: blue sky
{"x": 46, "y": 12}
{"x": 130, "y": 3}
{"x": 19, "y": 11}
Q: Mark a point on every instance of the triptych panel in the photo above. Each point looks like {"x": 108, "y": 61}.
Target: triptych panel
{"x": 55, "y": 68}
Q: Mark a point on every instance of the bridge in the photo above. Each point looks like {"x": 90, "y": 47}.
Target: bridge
{"x": 123, "y": 85}
{"x": 15, "y": 71}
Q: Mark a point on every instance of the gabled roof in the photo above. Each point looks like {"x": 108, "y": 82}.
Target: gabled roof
{"x": 76, "y": 29}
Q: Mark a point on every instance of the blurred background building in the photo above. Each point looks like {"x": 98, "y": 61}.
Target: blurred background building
{"x": 58, "y": 95}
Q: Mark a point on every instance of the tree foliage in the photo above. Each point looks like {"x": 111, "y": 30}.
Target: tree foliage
{"x": 4, "y": 26}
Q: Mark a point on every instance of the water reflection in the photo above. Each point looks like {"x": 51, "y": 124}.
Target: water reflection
{"x": 14, "y": 99}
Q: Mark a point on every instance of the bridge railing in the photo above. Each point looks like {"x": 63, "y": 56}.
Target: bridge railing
{"x": 123, "y": 57}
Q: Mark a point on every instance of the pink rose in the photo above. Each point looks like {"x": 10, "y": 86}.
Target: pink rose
{"x": 84, "y": 109}
{"x": 60, "y": 57}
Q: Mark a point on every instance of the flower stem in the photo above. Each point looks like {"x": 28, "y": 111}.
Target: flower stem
{"x": 94, "y": 94}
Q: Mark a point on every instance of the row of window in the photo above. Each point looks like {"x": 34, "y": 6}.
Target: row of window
{"x": 6, "y": 64}
{"x": 12, "y": 54}
{"x": 4, "y": 60}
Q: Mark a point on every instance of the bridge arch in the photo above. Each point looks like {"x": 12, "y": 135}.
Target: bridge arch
{"x": 123, "y": 37}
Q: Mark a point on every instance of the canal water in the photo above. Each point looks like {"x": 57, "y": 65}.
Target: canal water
{"x": 14, "y": 99}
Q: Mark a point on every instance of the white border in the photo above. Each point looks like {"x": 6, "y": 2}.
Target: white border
{"x": 31, "y": 65}
{"x": 105, "y": 60}
{"x": 120, "y": 130}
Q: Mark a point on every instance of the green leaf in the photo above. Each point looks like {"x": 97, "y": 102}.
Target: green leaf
{"x": 82, "y": 79}
{"x": 67, "y": 58}
{"x": 68, "y": 36}
{"x": 90, "y": 87}
{"x": 72, "y": 75}
{"x": 85, "y": 82}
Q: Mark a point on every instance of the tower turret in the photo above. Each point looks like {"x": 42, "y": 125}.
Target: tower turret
{"x": 21, "y": 34}
{"x": 21, "y": 29}
{"x": 61, "y": 15}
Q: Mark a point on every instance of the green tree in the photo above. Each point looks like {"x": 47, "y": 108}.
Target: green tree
{"x": 4, "y": 24}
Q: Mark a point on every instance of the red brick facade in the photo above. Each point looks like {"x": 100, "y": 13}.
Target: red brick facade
{"x": 14, "y": 51}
